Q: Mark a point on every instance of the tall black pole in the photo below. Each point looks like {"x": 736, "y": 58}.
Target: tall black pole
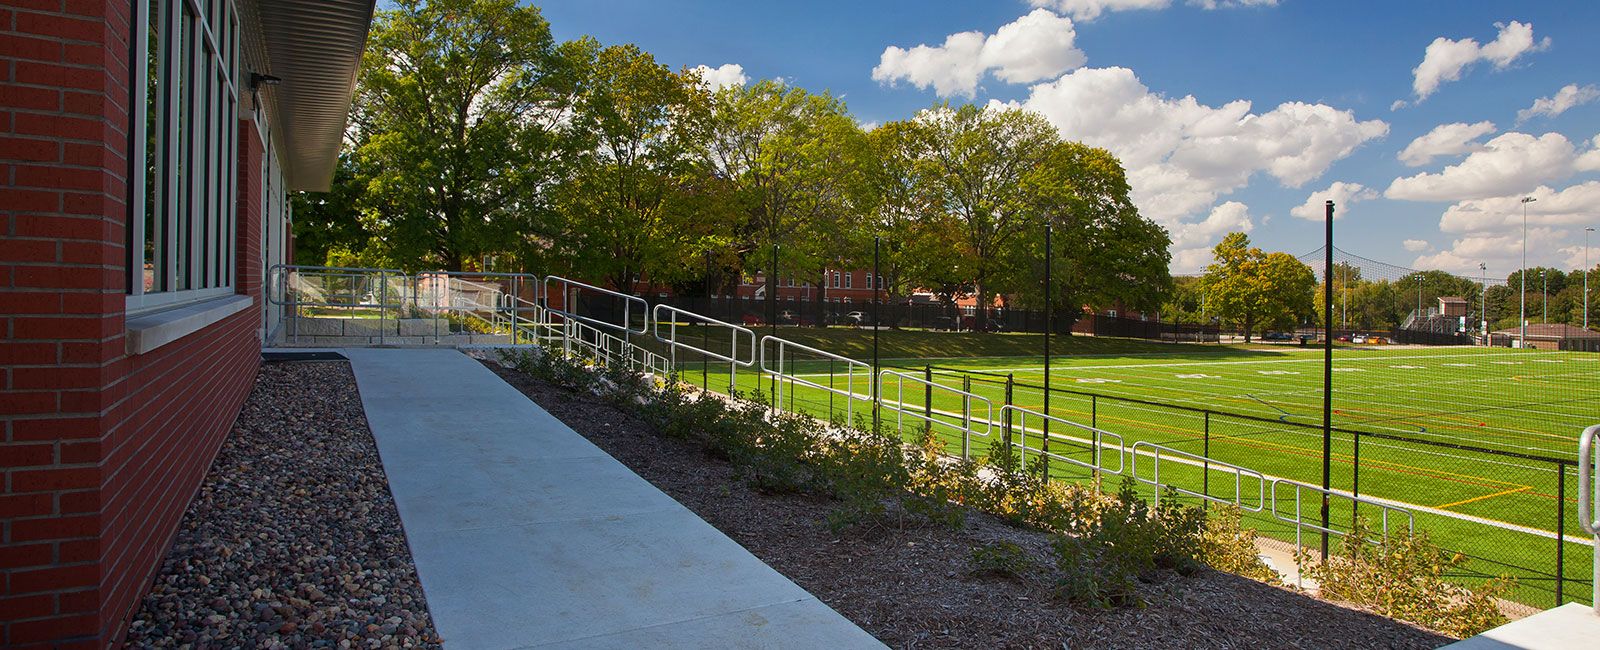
{"x": 1327, "y": 372}
{"x": 874, "y": 281}
{"x": 772, "y": 316}
{"x": 1049, "y": 324}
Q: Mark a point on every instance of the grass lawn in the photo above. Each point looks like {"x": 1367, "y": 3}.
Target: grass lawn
{"x": 1499, "y": 510}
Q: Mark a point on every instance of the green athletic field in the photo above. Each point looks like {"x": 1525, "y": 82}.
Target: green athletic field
{"x": 1260, "y": 409}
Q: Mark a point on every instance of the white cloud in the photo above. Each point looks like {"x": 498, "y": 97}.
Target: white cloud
{"x": 1192, "y": 241}
{"x": 1569, "y": 96}
{"x": 1507, "y": 164}
{"x": 1445, "y": 59}
{"x": 1343, "y": 196}
{"x": 1490, "y": 230}
{"x": 1036, "y": 46}
{"x": 722, "y": 76}
{"x": 1415, "y": 245}
{"x": 1182, "y": 155}
{"x": 1445, "y": 140}
{"x": 1091, "y": 9}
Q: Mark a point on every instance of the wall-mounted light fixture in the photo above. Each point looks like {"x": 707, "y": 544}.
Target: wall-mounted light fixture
{"x": 257, "y": 80}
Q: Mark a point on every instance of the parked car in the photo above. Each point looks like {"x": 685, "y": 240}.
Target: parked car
{"x": 1359, "y": 338}
{"x": 752, "y": 320}
{"x": 1277, "y": 336}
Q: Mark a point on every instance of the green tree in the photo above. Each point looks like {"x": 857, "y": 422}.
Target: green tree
{"x": 974, "y": 163}
{"x": 1103, "y": 251}
{"x": 787, "y": 156}
{"x": 626, "y": 208}
{"x": 460, "y": 128}
{"x": 326, "y": 222}
{"x": 1252, "y": 288}
{"x": 917, "y": 248}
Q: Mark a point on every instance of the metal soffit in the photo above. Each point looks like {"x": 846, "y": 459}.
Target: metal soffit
{"x": 315, "y": 48}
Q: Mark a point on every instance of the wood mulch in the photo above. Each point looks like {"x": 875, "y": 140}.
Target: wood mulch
{"x": 914, "y": 586}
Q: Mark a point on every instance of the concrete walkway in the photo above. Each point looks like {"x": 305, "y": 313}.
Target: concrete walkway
{"x": 526, "y": 535}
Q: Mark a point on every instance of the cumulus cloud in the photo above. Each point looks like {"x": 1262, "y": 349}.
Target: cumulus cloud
{"x": 1091, "y": 9}
{"x": 1343, "y": 196}
{"x": 1445, "y": 59}
{"x": 722, "y": 76}
{"x": 1036, "y": 46}
{"x": 1490, "y": 230}
{"x": 1569, "y": 96}
{"x": 1182, "y": 155}
{"x": 1192, "y": 241}
{"x": 1445, "y": 140}
{"x": 1507, "y": 164}
{"x": 1415, "y": 245}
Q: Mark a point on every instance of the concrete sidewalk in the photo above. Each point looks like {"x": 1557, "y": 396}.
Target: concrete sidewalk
{"x": 526, "y": 535}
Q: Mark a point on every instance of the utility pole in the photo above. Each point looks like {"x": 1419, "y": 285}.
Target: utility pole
{"x": 1327, "y": 377}
{"x": 1522, "y": 315}
{"x": 1483, "y": 302}
{"x": 1586, "y": 232}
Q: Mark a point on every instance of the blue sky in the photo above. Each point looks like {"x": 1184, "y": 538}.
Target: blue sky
{"x": 1229, "y": 114}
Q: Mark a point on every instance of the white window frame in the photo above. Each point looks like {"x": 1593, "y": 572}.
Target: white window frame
{"x": 848, "y": 279}
{"x": 195, "y": 255}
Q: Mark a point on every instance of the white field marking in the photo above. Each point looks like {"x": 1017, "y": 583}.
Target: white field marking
{"x": 1094, "y": 380}
{"x": 1208, "y": 399}
{"x": 1403, "y": 367}
{"x": 1197, "y": 376}
{"x": 1461, "y": 365}
{"x": 1379, "y": 359}
{"x": 1518, "y": 528}
{"x": 1312, "y": 433}
{"x": 1278, "y": 372}
{"x": 1547, "y": 361}
{"x": 1349, "y": 369}
{"x": 1508, "y": 363}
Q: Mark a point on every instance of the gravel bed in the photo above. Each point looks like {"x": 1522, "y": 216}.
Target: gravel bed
{"x": 914, "y": 586}
{"x": 293, "y": 539}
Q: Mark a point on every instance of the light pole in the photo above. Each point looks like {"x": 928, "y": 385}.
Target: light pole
{"x": 1544, "y": 295}
{"x": 1483, "y": 302}
{"x": 1522, "y": 312}
{"x": 1586, "y": 232}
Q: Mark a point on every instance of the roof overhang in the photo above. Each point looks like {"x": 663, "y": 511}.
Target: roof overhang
{"x": 314, "y": 47}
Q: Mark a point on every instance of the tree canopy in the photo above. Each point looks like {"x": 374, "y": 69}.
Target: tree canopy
{"x": 1254, "y": 289}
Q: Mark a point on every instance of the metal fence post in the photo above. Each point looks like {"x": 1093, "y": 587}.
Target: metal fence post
{"x": 1094, "y": 411}
{"x": 927, "y": 394}
{"x": 1561, "y": 531}
{"x": 1011, "y": 381}
{"x": 966, "y": 418}
{"x": 1205, "y": 451}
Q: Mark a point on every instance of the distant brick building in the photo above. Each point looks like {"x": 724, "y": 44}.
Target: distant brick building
{"x": 144, "y": 161}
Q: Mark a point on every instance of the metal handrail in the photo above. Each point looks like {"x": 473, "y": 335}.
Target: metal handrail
{"x": 1096, "y": 443}
{"x": 780, "y": 349}
{"x": 1207, "y": 464}
{"x": 1299, "y": 518}
{"x": 967, "y": 401}
{"x": 627, "y": 305}
{"x": 733, "y": 350}
{"x": 1586, "y": 497}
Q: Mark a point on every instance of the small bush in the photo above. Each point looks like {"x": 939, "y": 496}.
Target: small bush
{"x": 1102, "y": 563}
{"x": 1402, "y": 576}
{"x": 1001, "y": 560}
{"x": 1225, "y": 545}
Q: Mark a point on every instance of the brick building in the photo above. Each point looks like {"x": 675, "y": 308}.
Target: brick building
{"x": 145, "y": 150}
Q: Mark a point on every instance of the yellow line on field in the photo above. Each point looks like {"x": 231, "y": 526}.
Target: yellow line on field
{"x": 1486, "y": 496}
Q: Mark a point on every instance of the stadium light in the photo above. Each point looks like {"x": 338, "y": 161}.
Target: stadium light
{"x": 1586, "y": 232}
{"x": 1522, "y": 313}
{"x": 1483, "y": 302}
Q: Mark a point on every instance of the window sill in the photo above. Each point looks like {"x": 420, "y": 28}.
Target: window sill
{"x": 150, "y": 331}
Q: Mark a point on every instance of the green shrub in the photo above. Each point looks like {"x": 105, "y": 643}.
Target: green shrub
{"x": 1102, "y": 563}
{"x": 1001, "y": 560}
{"x": 1401, "y": 575}
{"x": 1225, "y": 545}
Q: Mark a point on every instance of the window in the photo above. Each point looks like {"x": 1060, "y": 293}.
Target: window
{"x": 184, "y": 147}
{"x": 836, "y": 279}
{"x": 847, "y": 277}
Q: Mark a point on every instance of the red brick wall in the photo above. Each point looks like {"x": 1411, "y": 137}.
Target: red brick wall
{"x": 99, "y": 451}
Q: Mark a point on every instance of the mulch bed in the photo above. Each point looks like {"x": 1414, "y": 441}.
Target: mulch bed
{"x": 913, "y": 586}
{"x": 293, "y": 539}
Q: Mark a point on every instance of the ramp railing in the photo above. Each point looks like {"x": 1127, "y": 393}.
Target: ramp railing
{"x": 774, "y": 352}
{"x": 1587, "y": 493}
{"x": 1099, "y": 442}
{"x": 1187, "y": 463}
{"x": 966, "y": 429}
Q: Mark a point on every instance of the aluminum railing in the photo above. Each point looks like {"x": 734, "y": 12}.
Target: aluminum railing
{"x": 1097, "y": 440}
{"x": 1587, "y": 493}
{"x": 1155, "y": 452}
{"x": 968, "y": 400}
{"x": 784, "y": 350}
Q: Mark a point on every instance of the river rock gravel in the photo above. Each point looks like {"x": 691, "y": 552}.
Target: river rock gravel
{"x": 293, "y": 539}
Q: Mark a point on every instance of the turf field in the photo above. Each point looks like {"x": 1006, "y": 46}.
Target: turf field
{"x": 1260, "y": 409}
